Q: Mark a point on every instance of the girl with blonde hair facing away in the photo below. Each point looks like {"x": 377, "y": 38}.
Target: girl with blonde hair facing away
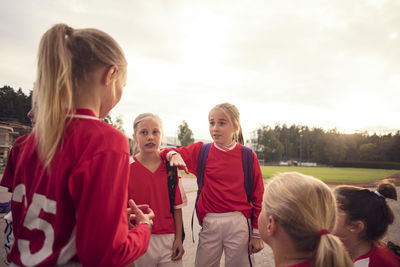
{"x": 297, "y": 218}
{"x": 148, "y": 184}
{"x": 71, "y": 175}
{"x": 226, "y": 209}
{"x": 364, "y": 217}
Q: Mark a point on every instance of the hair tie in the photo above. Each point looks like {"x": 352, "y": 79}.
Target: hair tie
{"x": 323, "y": 232}
{"x": 68, "y": 32}
{"x": 379, "y": 194}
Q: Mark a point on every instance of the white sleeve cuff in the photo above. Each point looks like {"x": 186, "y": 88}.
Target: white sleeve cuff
{"x": 255, "y": 233}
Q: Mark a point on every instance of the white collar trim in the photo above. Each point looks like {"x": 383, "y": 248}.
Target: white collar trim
{"x": 83, "y": 117}
{"x": 226, "y": 148}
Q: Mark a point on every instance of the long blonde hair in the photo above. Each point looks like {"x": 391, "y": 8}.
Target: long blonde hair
{"x": 140, "y": 118}
{"x": 232, "y": 112}
{"x": 65, "y": 58}
{"x": 304, "y": 206}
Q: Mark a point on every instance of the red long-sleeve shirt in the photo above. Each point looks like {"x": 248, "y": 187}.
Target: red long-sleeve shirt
{"x": 77, "y": 210}
{"x": 223, "y": 189}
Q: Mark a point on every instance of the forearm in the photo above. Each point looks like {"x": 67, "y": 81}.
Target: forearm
{"x": 178, "y": 223}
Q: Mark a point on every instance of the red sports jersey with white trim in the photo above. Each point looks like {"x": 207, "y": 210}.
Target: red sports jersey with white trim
{"x": 146, "y": 187}
{"x": 223, "y": 189}
{"x": 378, "y": 256}
{"x": 7, "y": 179}
{"x": 76, "y": 210}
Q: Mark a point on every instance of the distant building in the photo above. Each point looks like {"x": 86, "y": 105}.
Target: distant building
{"x": 10, "y": 131}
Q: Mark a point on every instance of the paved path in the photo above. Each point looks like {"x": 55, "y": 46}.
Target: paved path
{"x": 263, "y": 258}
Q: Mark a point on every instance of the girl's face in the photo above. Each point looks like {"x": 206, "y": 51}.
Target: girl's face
{"x": 342, "y": 229}
{"x": 112, "y": 94}
{"x": 148, "y": 135}
{"x": 262, "y": 225}
{"x": 221, "y": 128}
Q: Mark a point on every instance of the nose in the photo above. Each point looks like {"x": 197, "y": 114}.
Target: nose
{"x": 150, "y": 136}
{"x": 30, "y": 114}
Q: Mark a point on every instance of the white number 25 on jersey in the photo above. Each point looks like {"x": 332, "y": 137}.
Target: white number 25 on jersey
{"x": 32, "y": 221}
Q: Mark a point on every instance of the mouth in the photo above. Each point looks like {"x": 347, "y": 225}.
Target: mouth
{"x": 150, "y": 145}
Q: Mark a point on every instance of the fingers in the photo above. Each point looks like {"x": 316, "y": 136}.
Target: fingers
{"x": 133, "y": 207}
{"x": 186, "y": 170}
{"x": 150, "y": 214}
{"x": 177, "y": 253}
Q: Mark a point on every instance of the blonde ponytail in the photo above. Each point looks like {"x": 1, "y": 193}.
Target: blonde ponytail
{"x": 66, "y": 57}
{"x": 53, "y": 89}
{"x": 331, "y": 253}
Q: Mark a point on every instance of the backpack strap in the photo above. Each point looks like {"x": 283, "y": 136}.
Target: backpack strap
{"x": 172, "y": 176}
{"x": 201, "y": 166}
{"x": 247, "y": 161}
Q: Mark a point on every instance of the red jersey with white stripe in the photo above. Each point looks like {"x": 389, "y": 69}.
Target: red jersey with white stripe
{"x": 146, "y": 187}
{"x": 77, "y": 209}
{"x": 7, "y": 180}
{"x": 223, "y": 189}
{"x": 378, "y": 256}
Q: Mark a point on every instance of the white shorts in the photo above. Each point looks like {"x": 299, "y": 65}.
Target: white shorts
{"x": 224, "y": 232}
{"x": 159, "y": 252}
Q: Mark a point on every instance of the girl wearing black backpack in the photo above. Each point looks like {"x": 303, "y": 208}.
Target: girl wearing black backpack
{"x": 151, "y": 181}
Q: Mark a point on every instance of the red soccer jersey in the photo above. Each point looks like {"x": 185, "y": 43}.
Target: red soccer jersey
{"x": 150, "y": 188}
{"x": 7, "y": 180}
{"x": 223, "y": 189}
{"x": 379, "y": 256}
{"x": 308, "y": 263}
{"x": 77, "y": 209}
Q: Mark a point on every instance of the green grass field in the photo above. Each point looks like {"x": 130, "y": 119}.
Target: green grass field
{"x": 336, "y": 175}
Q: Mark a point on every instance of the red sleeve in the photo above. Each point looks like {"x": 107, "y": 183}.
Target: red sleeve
{"x": 8, "y": 175}
{"x": 99, "y": 191}
{"x": 258, "y": 190}
{"x": 190, "y": 155}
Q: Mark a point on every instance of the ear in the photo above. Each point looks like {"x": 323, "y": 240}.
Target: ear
{"x": 272, "y": 226}
{"x": 109, "y": 75}
{"x": 356, "y": 227}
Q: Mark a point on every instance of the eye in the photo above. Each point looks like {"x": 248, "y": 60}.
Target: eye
{"x": 143, "y": 132}
{"x": 156, "y": 132}
{"x": 212, "y": 123}
{"x": 221, "y": 123}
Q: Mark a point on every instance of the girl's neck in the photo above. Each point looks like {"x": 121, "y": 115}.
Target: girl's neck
{"x": 289, "y": 259}
{"x": 359, "y": 248}
{"x": 153, "y": 157}
{"x": 285, "y": 251}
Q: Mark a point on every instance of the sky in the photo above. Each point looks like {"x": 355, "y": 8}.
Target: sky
{"x": 331, "y": 64}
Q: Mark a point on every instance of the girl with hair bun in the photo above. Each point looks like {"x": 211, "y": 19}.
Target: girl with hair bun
{"x": 71, "y": 175}
{"x": 297, "y": 218}
{"x": 364, "y": 217}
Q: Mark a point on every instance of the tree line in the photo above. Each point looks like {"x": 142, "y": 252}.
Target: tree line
{"x": 14, "y": 105}
{"x": 304, "y": 144}
{"x": 272, "y": 144}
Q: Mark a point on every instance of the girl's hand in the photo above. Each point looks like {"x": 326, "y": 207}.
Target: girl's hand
{"x": 177, "y": 160}
{"x": 255, "y": 245}
{"x": 177, "y": 250}
{"x": 138, "y": 214}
